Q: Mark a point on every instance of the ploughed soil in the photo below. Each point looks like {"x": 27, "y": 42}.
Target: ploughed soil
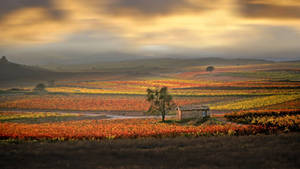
{"x": 262, "y": 151}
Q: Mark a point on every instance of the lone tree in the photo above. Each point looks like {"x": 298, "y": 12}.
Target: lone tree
{"x": 40, "y": 88}
{"x": 210, "y": 68}
{"x": 160, "y": 100}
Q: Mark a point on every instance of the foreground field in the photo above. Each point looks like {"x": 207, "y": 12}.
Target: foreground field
{"x": 244, "y": 152}
{"x": 113, "y": 129}
{"x": 19, "y": 126}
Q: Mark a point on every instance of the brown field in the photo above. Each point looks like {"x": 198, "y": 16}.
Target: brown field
{"x": 244, "y": 152}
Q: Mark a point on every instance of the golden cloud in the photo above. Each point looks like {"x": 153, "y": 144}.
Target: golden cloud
{"x": 184, "y": 23}
{"x": 31, "y": 25}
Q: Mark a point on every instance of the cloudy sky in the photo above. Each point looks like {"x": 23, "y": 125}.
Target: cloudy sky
{"x": 82, "y": 31}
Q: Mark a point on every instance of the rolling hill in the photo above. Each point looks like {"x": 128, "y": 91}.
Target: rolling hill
{"x": 17, "y": 74}
{"x": 10, "y": 71}
{"x": 153, "y": 65}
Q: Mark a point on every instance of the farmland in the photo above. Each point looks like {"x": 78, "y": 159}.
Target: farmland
{"x": 113, "y": 129}
{"x": 192, "y": 86}
{"x": 92, "y": 102}
{"x": 104, "y": 110}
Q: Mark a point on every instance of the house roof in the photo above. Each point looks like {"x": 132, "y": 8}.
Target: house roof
{"x": 193, "y": 108}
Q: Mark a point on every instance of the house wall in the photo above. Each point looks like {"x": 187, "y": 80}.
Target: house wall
{"x": 189, "y": 114}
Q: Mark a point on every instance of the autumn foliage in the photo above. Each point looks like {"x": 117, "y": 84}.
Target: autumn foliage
{"x": 112, "y": 129}
{"x": 87, "y": 103}
{"x": 282, "y": 119}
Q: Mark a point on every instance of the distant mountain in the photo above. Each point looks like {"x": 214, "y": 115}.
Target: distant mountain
{"x": 154, "y": 65}
{"x": 11, "y": 71}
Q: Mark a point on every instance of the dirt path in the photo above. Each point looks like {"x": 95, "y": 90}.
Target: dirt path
{"x": 109, "y": 115}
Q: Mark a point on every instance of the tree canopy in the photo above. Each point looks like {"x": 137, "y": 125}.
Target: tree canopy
{"x": 160, "y": 100}
{"x": 40, "y": 87}
{"x": 210, "y": 68}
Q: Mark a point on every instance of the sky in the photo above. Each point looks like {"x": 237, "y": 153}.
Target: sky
{"x": 88, "y": 31}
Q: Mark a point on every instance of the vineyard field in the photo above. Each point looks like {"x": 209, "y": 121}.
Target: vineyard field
{"x": 96, "y": 102}
{"x": 106, "y": 108}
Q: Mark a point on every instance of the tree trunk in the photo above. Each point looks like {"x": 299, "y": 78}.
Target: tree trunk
{"x": 163, "y": 112}
{"x": 163, "y": 116}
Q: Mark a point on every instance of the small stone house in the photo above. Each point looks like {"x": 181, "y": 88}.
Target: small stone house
{"x": 192, "y": 111}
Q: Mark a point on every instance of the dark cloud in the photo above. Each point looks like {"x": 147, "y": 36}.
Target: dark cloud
{"x": 251, "y": 9}
{"x": 151, "y": 7}
{"x": 131, "y": 8}
{"x": 8, "y": 6}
